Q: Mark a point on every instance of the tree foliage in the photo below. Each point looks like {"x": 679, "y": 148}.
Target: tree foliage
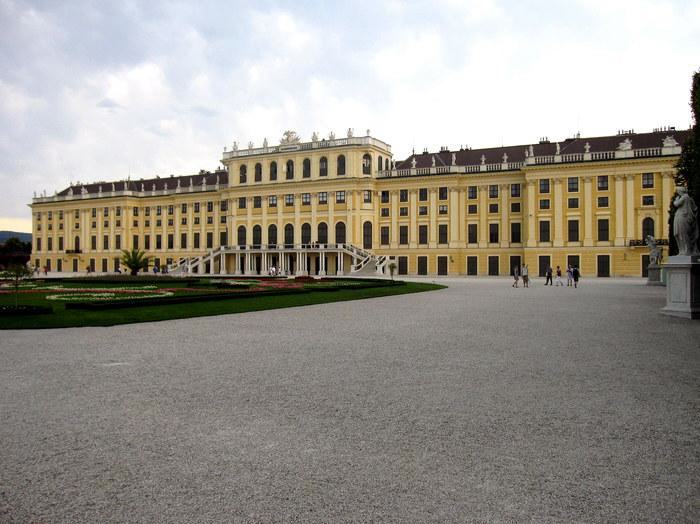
{"x": 688, "y": 166}
{"x": 16, "y": 274}
{"x": 135, "y": 260}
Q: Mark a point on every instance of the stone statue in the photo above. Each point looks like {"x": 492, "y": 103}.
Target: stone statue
{"x": 331, "y": 136}
{"x": 532, "y": 150}
{"x": 587, "y": 147}
{"x": 235, "y": 146}
{"x": 350, "y": 132}
{"x": 113, "y": 190}
{"x": 505, "y": 158}
{"x": 558, "y": 152}
{"x": 393, "y": 165}
{"x": 483, "y": 160}
{"x": 685, "y": 223}
{"x": 625, "y": 145}
{"x": 413, "y": 162}
{"x": 289, "y": 137}
{"x": 251, "y": 145}
{"x": 527, "y": 153}
{"x": 669, "y": 141}
{"x": 454, "y": 159}
{"x": 165, "y": 186}
{"x": 655, "y": 252}
{"x": 314, "y": 136}
{"x": 143, "y": 187}
{"x": 265, "y": 142}
{"x": 433, "y": 161}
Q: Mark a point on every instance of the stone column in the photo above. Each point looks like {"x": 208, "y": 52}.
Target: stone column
{"x": 589, "y": 211}
{"x": 432, "y": 231}
{"x": 620, "y": 210}
{"x": 413, "y": 224}
{"x": 455, "y": 224}
{"x": 462, "y": 217}
{"x": 394, "y": 210}
{"x": 630, "y": 204}
{"x": 531, "y": 213}
{"x": 483, "y": 223}
{"x": 504, "y": 236}
{"x": 558, "y": 213}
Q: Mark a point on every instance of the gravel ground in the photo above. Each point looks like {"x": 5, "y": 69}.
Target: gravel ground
{"x": 478, "y": 403}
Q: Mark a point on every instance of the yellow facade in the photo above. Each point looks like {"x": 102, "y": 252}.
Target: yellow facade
{"x": 442, "y": 218}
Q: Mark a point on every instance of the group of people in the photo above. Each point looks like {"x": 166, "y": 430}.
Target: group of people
{"x": 275, "y": 271}
{"x": 573, "y": 274}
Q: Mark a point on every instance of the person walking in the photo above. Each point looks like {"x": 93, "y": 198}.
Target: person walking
{"x": 526, "y": 276}
{"x": 569, "y": 276}
{"x": 516, "y": 276}
{"x": 559, "y": 281}
{"x": 575, "y": 274}
{"x": 548, "y": 276}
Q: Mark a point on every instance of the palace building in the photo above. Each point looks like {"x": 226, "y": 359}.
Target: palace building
{"x": 345, "y": 206}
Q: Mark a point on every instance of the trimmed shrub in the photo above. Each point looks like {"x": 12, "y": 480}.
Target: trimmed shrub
{"x": 19, "y": 311}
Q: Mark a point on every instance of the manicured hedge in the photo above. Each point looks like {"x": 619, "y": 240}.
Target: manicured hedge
{"x": 18, "y": 311}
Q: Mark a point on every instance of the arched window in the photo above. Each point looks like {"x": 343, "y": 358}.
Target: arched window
{"x": 258, "y": 172}
{"x": 323, "y": 166}
{"x": 322, "y": 233}
{"x": 306, "y": 233}
{"x": 257, "y": 235}
{"x": 241, "y": 235}
{"x": 341, "y": 165}
{"x": 243, "y": 174}
{"x": 366, "y": 164}
{"x": 367, "y": 235}
{"x": 647, "y": 227}
{"x": 306, "y": 171}
{"x": 76, "y": 245}
{"x": 272, "y": 235}
{"x": 289, "y": 235}
{"x": 380, "y": 163}
{"x": 340, "y": 233}
{"x": 290, "y": 169}
{"x": 273, "y": 171}
{"x": 386, "y": 164}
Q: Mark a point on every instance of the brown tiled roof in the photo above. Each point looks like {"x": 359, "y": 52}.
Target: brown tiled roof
{"x": 148, "y": 184}
{"x": 494, "y": 155}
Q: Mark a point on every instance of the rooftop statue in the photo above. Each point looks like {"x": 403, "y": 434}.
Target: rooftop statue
{"x": 289, "y": 137}
{"x": 331, "y": 136}
{"x": 587, "y": 147}
{"x": 669, "y": 141}
{"x": 265, "y": 142}
{"x": 505, "y": 158}
{"x": 433, "y": 161}
{"x": 483, "y": 160}
{"x": 350, "y": 132}
{"x": 558, "y": 152}
{"x": 625, "y": 145}
{"x": 314, "y": 136}
{"x": 413, "y": 163}
{"x": 454, "y": 159}
{"x": 235, "y": 146}
{"x": 685, "y": 223}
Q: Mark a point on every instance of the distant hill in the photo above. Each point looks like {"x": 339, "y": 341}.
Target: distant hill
{"x": 24, "y": 237}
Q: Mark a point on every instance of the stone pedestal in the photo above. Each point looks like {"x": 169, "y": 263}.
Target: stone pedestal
{"x": 682, "y": 287}
{"x": 654, "y": 275}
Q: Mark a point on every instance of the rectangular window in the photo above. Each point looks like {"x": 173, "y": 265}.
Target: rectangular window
{"x": 573, "y": 203}
{"x": 403, "y": 235}
{"x": 544, "y": 203}
{"x": 472, "y": 209}
{"x": 423, "y": 194}
{"x": 49, "y": 244}
{"x": 442, "y": 234}
{"x": 147, "y": 211}
{"x": 403, "y": 211}
{"x": 544, "y": 185}
{"x": 385, "y": 197}
{"x": 493, "y": 208}
{"x": 422, "y": 234}
{"x": 105, "y": 242}
{"x": 222, "y": 219}
{"x": 195, "y": 241}
{"x": 272, "y": 201}
{"x": 222, "y": 238}
{"x": 340, "y": 197}
{"x": 493, "y": 191}
{"x": 544, "y": 231}
{"x": 257, "y": 202}
{"x": 118, "y": 211}
{"x": 210, "y": 207}
{"x": 38, "y": 245}
{"x": 648, "y": 200}
{"x": 515, "y": 207}
{"x": 223, "y": 205}
{"x": 171, "y": 241}
{"x": 603, "y": 230}
{"x": 147, "y": 242}
{"x": 472, "y": 265}
{"x": 442, "y": 209}
{"x": 94, "y": 213}
{"x": 93, "y": 243}
{"x": 385, "y": 212}
{"x": 603, "y": 183}
{"x": 171, "y": 209}
{"x": 471, "y": 192}
{"x": 422, "y": 265}
{"x": 384, "y": 235}
{"x": 515, "y": 190}
{"x": 60, "y": 243}
{"x": 647, "y": 180}
{"x": 573, "y": 184}
{"x": 159, "y": 210}
{"x": 196, "y": 221}
{"x": 573, "y": 230}
{"x": 367, "y": 197}
{"x": 159, "y": 242}
{"x": 493, "y": 262}
{"x": 183, "y": 240}
{"x": 472, "y": 233}
{"x": 196, "y": 207}
{"x": 170, "y": 221}
{"x": 210, "y": 220}
{"x": 515, "y": 233}
{"x": 306, "y": 199}
{"x": 603, "y": 202}
{"x": 442, "y": 193}
{"x": 422, "y": 210}
{"x": 183, "y": 221}
{"x": 210, "y": 240}
{"x": 288, "y": 200}
{"x": 323, "y": 198}
{"x": 403, "y": 195}
{"x": 117, "y": 241}
{"x": 493, "y": 233}
{"x": 242, "y": 202}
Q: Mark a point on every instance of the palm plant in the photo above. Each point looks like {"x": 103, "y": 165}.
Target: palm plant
{"x": 135, "y": 260}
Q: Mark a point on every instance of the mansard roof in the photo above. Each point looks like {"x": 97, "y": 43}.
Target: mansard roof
{"x": 494, "y": 155}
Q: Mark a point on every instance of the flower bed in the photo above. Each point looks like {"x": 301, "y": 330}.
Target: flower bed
{"x": 18, "y": 311}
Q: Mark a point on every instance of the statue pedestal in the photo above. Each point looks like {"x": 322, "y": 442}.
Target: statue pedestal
{"x": 654, "y": 275}
{"x": 682, "y": 287}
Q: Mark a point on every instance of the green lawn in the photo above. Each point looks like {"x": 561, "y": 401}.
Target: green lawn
{"x": 63, "y": 317}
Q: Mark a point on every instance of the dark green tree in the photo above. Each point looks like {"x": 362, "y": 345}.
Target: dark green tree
{"x": 16, "y": 274}
{"x": 134, "y": 260}
{"x": 688, "y": 166}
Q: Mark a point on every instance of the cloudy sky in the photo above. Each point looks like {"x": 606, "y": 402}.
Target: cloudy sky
{"x": 103, "y": 90}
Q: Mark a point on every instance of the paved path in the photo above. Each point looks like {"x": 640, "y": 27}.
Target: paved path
{"x": 476, "y": 403}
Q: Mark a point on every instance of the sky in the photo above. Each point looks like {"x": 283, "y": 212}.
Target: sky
{"x": 106, "y": 90}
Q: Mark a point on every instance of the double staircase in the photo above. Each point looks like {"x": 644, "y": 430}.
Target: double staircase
{"x": 364, "y": 262}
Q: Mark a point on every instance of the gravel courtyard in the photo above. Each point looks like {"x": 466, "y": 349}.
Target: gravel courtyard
{"x": 477, "y": 403}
